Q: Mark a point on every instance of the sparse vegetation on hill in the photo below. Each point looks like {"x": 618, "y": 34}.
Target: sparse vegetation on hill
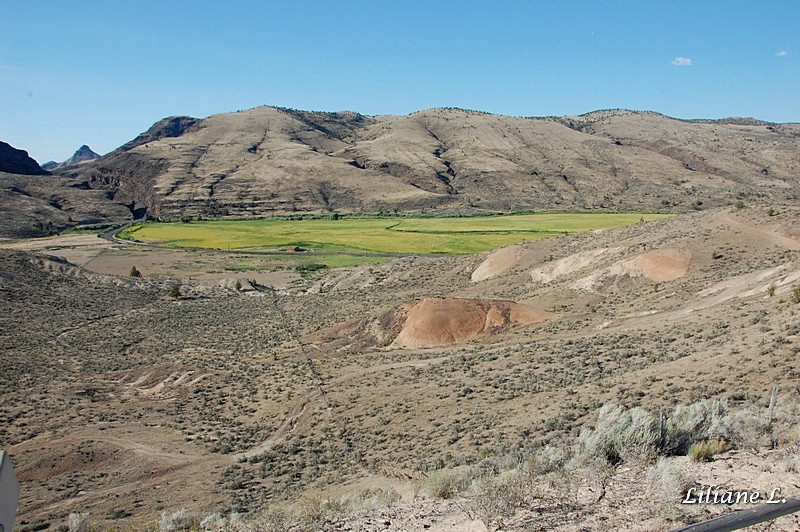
{"x": 443, "y": 160}
{"x": 284, "y": 403}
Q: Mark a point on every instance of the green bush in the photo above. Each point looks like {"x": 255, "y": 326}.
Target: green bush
{"x": 309, "y": 267}
{"x": 704, "y": 452}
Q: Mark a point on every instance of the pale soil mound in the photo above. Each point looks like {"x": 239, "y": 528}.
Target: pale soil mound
{"x": 378, "y": 329}
{"x": 162, "y": 381}
{"x": 657, "y": 266}
{"x": 573, "y": 263}
{"x": 434, "y": 321}
{"x": 498, "y": 262}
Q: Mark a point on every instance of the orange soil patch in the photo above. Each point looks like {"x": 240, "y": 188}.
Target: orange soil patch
{"x": 433, "y": 321}
{"x": 657, "y": 266}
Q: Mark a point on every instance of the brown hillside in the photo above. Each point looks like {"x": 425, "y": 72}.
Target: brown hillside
{"x": 269, "y": 160}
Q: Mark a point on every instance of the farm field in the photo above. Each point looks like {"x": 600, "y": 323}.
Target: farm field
{"x": 379, "y": 235}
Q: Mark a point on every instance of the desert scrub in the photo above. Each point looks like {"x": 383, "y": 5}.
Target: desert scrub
{"x": 705, "y": 451}
{"x": 692, "y": 423}
{"x": 79, "y": 522}
{"x": 374, "y": 498}
{"x": 667, "y": 483}
{"x": 494, "y": 501}
{"x": 620, "y": 436}
{"x": 313, "y": 512}
{"x": 447, "y": 485}
{"x": 176, "y": 521}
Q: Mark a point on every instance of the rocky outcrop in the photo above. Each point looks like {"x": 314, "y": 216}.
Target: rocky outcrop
{"x": 16, "y": 161}
{"x": 82, "y": 155}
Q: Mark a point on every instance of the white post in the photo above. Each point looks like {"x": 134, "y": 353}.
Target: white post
{"x": 9, "y": 493}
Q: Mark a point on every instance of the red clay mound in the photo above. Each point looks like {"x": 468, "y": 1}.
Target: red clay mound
{"x": 433, "y": 321}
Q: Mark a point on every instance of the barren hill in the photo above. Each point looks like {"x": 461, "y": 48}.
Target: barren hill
{"x": 271, "y": 160}
{"x": 33, "y": 205}
{"x": 81, "y": 155}
{"x": 18, "y": 161}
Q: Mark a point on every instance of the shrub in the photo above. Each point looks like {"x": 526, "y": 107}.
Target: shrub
{"x": 704, "y": 452}
{"x": 494, "y": 501}
{"x": 546, "y": 460}
{"x": 310, "y": 267}
{"x": 620, "y": 435}
{"x": 278, "y": 519}
{"x": 738, "y": 204}
{"x": 134, "y": 272}
{"x": 175, "y": 291}
{"x": 743, "y": 428}
{"x": 314, "y": 512}
{"x": 374, "y": 498}
{"x": 667, "y": 485}
{"x": 238, "y": 285}
{"x": 78, "y": 522}
{"x": 692, "y": 423}
{"x": 446, "y": 485}
{"x": 796, "y": 295}
{"x": 176, "y": 521}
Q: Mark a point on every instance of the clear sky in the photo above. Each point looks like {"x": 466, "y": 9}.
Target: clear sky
{"x": 100, "y": 72}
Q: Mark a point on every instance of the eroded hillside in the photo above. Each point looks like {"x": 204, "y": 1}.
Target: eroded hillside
{"x": 269, "y": 160}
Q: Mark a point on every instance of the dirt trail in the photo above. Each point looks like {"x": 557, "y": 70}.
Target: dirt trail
{"x": 299, "y": 409}
{"x": 772, "y": 236}
{"x": 173, "y": 474}
{"x": 174, "y": 470}
{"x": 742, "y": 286}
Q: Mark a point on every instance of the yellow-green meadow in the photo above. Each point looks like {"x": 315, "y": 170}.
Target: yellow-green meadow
{"x": 379, "y": 235}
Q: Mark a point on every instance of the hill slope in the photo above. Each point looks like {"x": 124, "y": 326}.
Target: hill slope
{"x": 124, "y": 402}
{"x": 18, "y": 161}
{"x": 32, "y": 205}
{"x": 270, "y": 160}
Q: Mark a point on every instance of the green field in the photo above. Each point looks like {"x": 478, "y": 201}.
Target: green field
{"x": 378, "y": 235}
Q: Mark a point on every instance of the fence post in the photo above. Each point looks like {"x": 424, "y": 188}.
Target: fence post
{"x": 9, "y": 493}
{"x": 745, "y": 518}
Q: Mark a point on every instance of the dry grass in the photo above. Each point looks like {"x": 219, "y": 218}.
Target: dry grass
{"x": 130, "y": 392}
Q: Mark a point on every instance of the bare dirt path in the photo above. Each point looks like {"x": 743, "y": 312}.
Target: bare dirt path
{"x": 742, "y": 286}
{"x": 772, "y": 236}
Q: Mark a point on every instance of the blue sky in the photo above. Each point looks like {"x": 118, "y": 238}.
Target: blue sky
{"x": 100, "y": 72}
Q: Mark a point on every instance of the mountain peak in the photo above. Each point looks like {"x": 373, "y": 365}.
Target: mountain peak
{"x": 84, "y": 153}
{"x": 81, "y": 155}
